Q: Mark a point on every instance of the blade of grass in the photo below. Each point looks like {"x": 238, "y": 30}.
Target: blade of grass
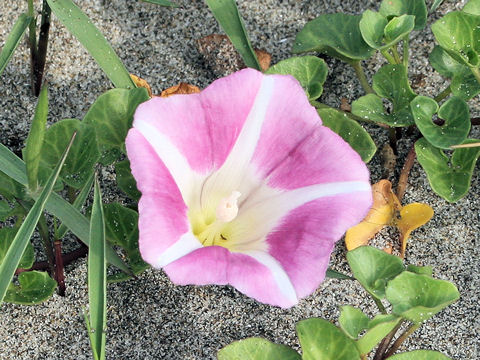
{"x": 35, "y": 140}
{"x": 97, "y": 278}
{"x": 92, "y": 39}
{"x": 227, "y": 15}
{"x": 20, "y": 242}
{"x": 14, "y": 167}
{"x": 13, "y": 40}
{"x": 162, "y": 3}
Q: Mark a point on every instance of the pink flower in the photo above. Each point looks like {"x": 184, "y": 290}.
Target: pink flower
{"x": 242, "y": 185}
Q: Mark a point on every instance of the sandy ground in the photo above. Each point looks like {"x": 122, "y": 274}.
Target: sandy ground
{"x": 152, "y": 319}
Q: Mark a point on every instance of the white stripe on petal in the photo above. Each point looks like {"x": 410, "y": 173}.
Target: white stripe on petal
{"x": 185, "y": 245}
{"x": 281, "y": 278}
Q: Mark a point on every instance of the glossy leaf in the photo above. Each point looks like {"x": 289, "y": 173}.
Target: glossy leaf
{"x": 337, "y": 35}
{"x": 373, "y": 268}
{"x": 321, "y": 340}
{"x": 419, "y": 297}
{"x": 125, "y": 180}
{"x": 417, "y": 8}
{"x": 398, "y": 28}
{"x": 13, "y": 40}
{"x": 35, "y": 138}
{"x": 166, "y": 3}
{"x": 257, "y": 349}
{"x": 227, "y": 15}
{"x": 352, "y": 321}
{"x": 122, "y": 230}
{"x": 457, "y": 32}
{"x": 22, "y": 237}
{"x": 455, "y": 113}
{"x": 92, "y": 39}
{"x": 419, "y": 355}
{"x": 83, "y": 155}
{"x": 444, "y": 63}
{"x": 472, "y": 7}
{"x": 372, "y": 26}
{"x": 449, "y": 177}
{"x": 111, "y": 115}
{"x": 14, "y": 167}
{"x": 310, "y": 71}
{"x": 34, "y": 287}
{"x": 6, "y": 238}
{"x": 378, "y": 328}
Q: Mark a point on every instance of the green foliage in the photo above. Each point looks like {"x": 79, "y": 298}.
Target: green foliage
{"x": 125, "y": 180}
{"x": 166, "y": 3}
{"x": 337, "y": 35}
{"x": 472, "y": 7}
{"x": 377, "y": 329}
{"x": 6, "y": 238}
{"x": 379, "y": 33}
{"x": 310, "y": 71}
{"x": 352, "y": 321}
{"x": 449, "y": 177}
{"x": 417, "y": 8}
{"x": 13, "y": 40}
{"x": 256, "y": 349}
{"x": 419, "y": 355}
{"x": 34, "y": 287}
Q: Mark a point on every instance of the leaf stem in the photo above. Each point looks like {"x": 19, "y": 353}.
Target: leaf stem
{"x": 401, "y": 339}
{"x": 59, "y": 273}
{"x": 406, "y": 45}
{"x": 379, "y": 304}
{"x": 447, "y": 91}
{"x": 383, "y": 346}
{"x": 66, "y": 258}
{"x": 407, "y": 166}
{"x": 362, "y": 77}
{"x": 388, "y": 56}
{"x": 41, "y": 52}
{"x": 396, "y": 55}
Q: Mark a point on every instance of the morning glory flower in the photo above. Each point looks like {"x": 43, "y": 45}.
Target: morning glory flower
{"x": 242, "y": 185}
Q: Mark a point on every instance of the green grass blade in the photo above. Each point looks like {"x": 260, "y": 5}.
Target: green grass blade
{"x": 97, "y": 277}
{"x": 20, "y": 242}
{"x": 13, "y": 40}
{"x": 35, "y": 140}
{"x": 92, "y": 39}
{"x": 227, "y": 15}
{"x": 162, "y": 3}
{"x": 14, "y": 167}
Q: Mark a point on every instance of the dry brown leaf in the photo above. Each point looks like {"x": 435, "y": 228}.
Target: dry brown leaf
{"x": 182, "y": 88}
{"x": 345, "y": 105}
{"x": 264, "y": 59}
{"x": 141, "y": 83}
{"x": 412, "y": 216}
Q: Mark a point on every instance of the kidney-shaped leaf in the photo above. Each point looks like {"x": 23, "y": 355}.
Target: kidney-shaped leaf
{"x": 378, "y": 328}
{"x": 372, "y": 27}
{"x": 310, "y": 71}
{"x": 472, "y": 7}
{"x": 6, "y": 238}
{"x": 455, "y": 113}
{"x": 419, "y": 297}
{"x": 125, "y": 180}
{"x": 351, "y": 131}
{"x": 257, "y": 349}
{"x": 373, "y": 268}
{"x": 417, "y": 8}
{"x": 448, "y": 177}
{"x": 419, "y": 355}
{"x": 398, "y": 28}
{"x": 321, "y": 340}
{"x": 34, "y": 287}
{"x": 352, "y": 321}
{"x": 337, "y": 35}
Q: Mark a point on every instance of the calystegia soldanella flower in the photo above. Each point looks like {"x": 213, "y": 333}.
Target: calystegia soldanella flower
{"x": 242, "y": 185}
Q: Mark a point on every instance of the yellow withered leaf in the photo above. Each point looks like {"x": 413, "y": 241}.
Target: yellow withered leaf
{"x": 141, "y": 83}
{"x": 412, "y": 216}
{"x": 182, "y": 88}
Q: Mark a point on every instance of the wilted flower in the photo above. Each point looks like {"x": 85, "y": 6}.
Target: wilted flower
{"x": 241, "y": 185}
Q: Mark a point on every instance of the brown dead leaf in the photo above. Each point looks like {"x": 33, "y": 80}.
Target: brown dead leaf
{"x": 412, "y": 216}
{"x": 345, "y": 105}
{"x": 141, "y": 83}
{"x": 182, "y": 88}
{"x": 264, "y": 59}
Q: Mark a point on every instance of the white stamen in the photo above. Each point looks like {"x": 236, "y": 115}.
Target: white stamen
{"x": 227, "y": 208}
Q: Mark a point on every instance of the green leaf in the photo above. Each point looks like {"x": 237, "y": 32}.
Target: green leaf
{"x": 352, "y": 321}
{"x": 162, "y": 3}
{"x": 398, "y": 28}
{"x": 111, "y": 115}
{"x": 321, "y": 340}
{"x": 257, "y": 349}
{"x": 125, "y": 180}
{"x": 92, "y": 39}
{"x": 422, "y": 270}
{"x": 372, "y": 26}
{"x": 5, "y": 210}
{"x": 22, "y": 238}
{"x": 14, "y": 167}
{"x": 435, "y": 5}
{"x": 34, "y": 287}
{"x": 310, "y": 71}
{"x": 373, "y": 268}
{"x": 444, "y": 63}
{"x": 227, "y": 15}
{"x": 419, "y": 355}
{"x": 448, "y": 177}
{"x": 97, "y": 277}
{"x": 472, "y": 7}
{"x": 378, "y": 328}
{"x": 417, "y": 8}
{"x": 455, "y": 113}
{"x": 122, "y": 230}
{"x": 83, "y": 155}
{"x": 6, "y": 238}
{"x": 457, "y": 32}
{"x": 35, "y": 140}
{"x": 351, "y": 131}
{"x": 9, "y": 188}
{"x": 337, "y": 35}
{"x": 419, "y": 297}
{"x": 333, "y": 274}
{"x": 13, "y": 40}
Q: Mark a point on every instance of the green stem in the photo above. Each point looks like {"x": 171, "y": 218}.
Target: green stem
{"x": 396, "y": 55}
{"x": 406, "y": 45}
{"x": 383, "y": 346}
{"x": 401, "y": 339}
{"x": 443, "y": 94}
{"x": 387, "y": 56}
{"x": 476, "y": 73}
{"x": 380, "y": 306}
{"x": 361, "y": 77}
